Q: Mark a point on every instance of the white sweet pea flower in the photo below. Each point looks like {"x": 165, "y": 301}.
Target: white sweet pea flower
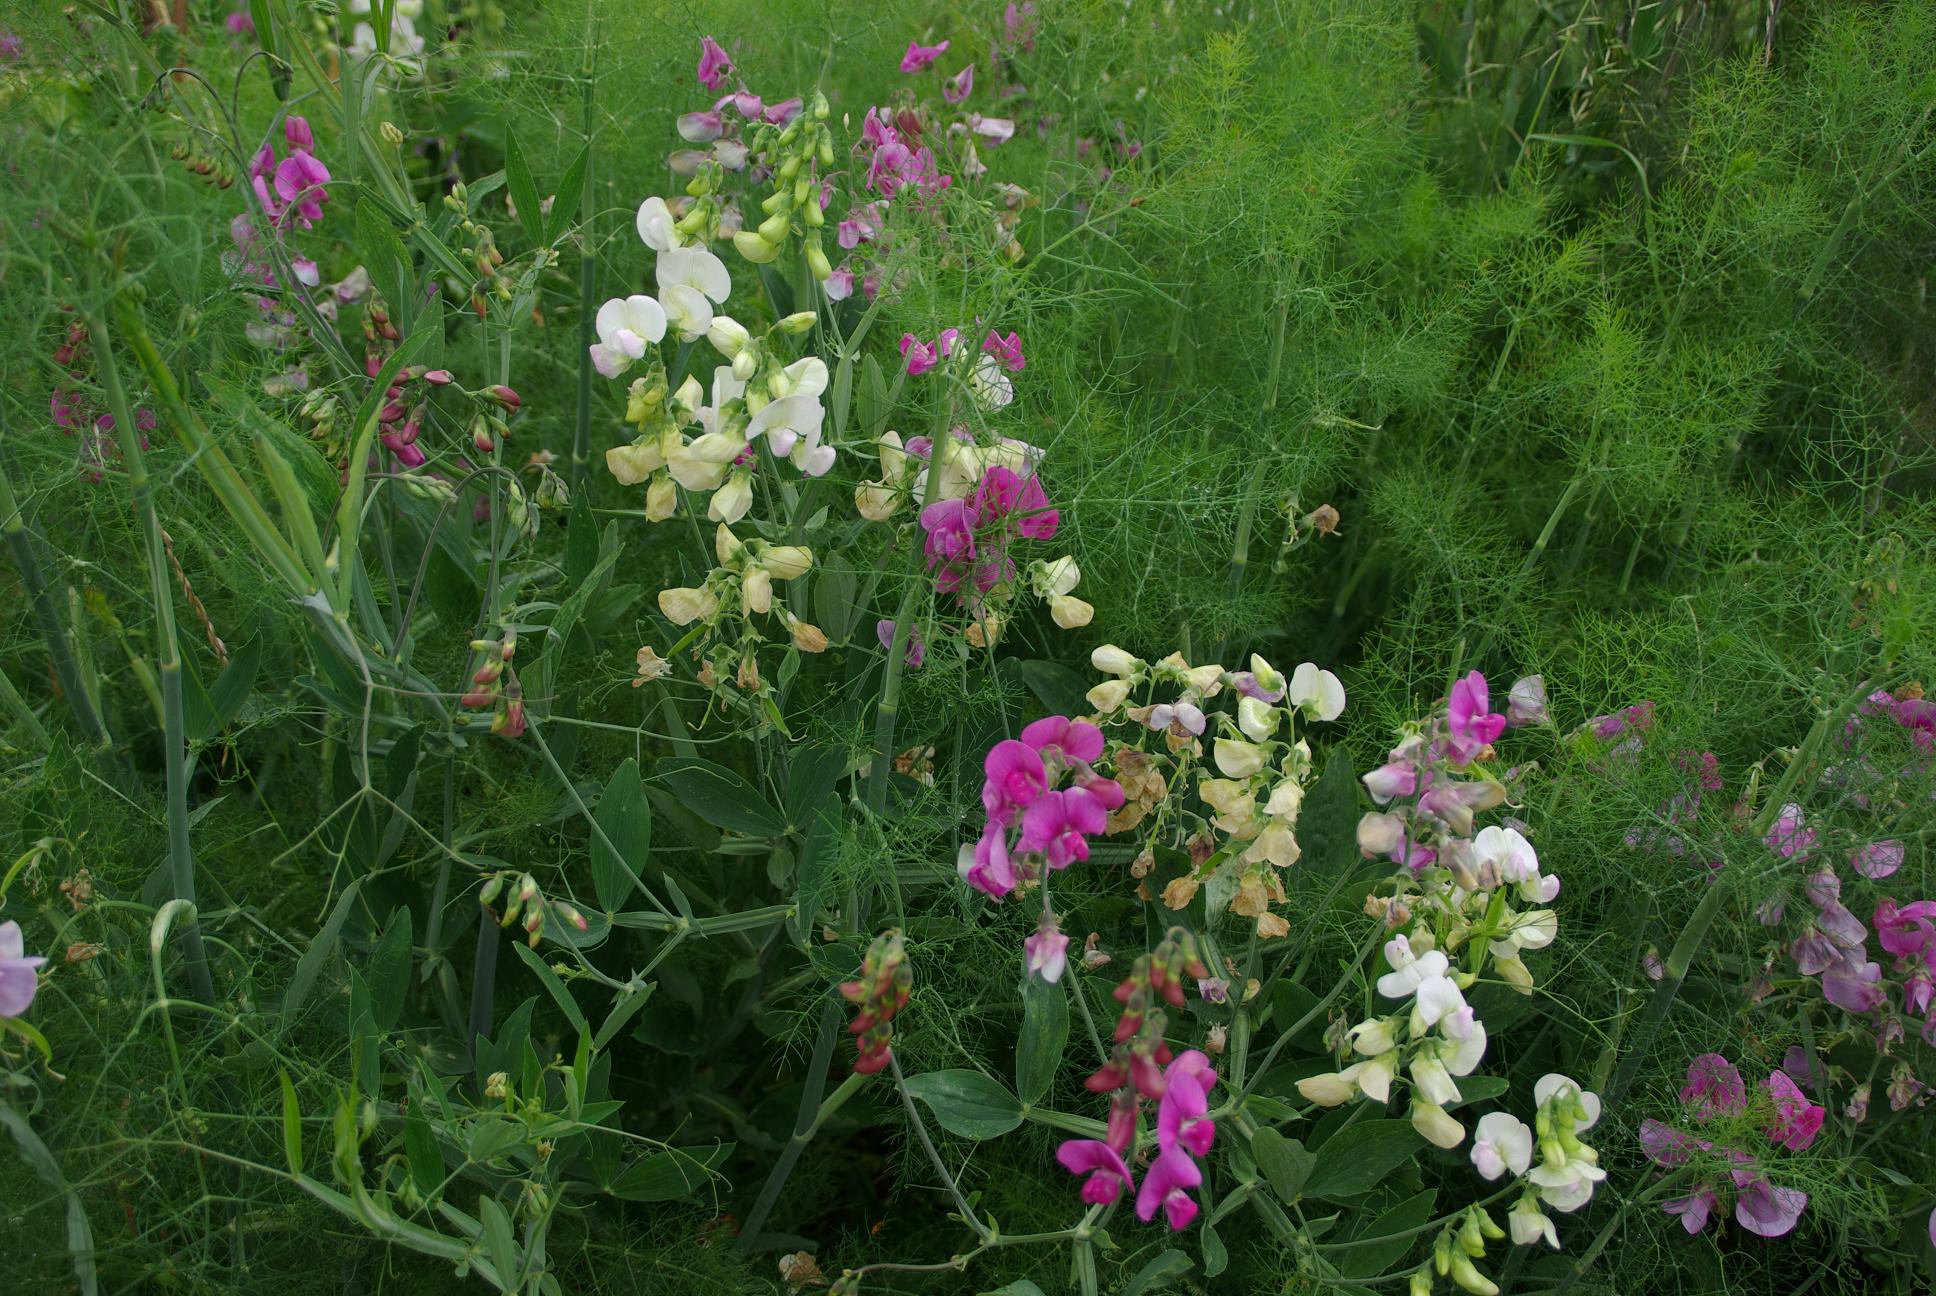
{"x": 1111, "y": 660}
{"x": 702, "y": 463}
{"x": 732, "y": 500}
{"x": 1276, "y": 845}
{"x": 1376, "y": 1076}
{"x": 990, "y": 383}
{"x": 1502, "y": 1142}
{"x": 783, "y": 422}
{"x": 1409, "y": 971}
{"x": 1553, "y": 1085}
{"x": 1257, "y": 719}
{"x": 1054, "y": 578}
{"x": 1534, "y": 929}
{"x": 1316, "y": 692}
{"x": 1108, "y": 695}
{"x": 1332, "y": 1089}
{"x": 1237, "y": 759}
{"x": 1566, "y": 1187}
{"x": 1434, "y": 1125}
{"x": 685, "y": 605}
{"x": 1374, "y": 1036}
{"x": 1515, "y": 860}
{"x": 728, "y": 336}
{"x": 626, "y": 326}
{"x": 1528, "y": 1224}
{"x": 657, "y": 227}
{"x": 691, "y": 281}
{"x": 1438, "y": 998}
{"x": 1070, "y": 612}
{"x": 1286, "y": 799}
{"x": 806, "y": 377}
{"x": 1465, "y": 1041}
{"x": 1429, "y": 1077}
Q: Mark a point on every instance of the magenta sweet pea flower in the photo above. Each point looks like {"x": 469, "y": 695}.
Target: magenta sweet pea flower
{"x": 19, "y": 978}
{"x": 1667, "y": 1146}
{"x": 959, "y": 86}
{"x": 1069, "y": 740}
{"x": 950, "y": 524}
{"x": 1005, "y": 495}
{"x": 988, "y": 868}
{"x": 1797, "y": 1120}
{"x": 1101, "y": 1163}
{"x": 1057, "y": 826}
{"x": 916, "y": 652}
{"x": 1713, "y": 1087}
{"x": 1905, "y": 930}
{"x": 1016, "y": 780}
{"x": 1006, "y": 350}
{"x": 1469, "y": 722}
{"x": 1166, "y": 1185}
{"x": 1789, "y": 837}
{"x": 714, "y": 63}
{"x": 1854, "y": 986}
{"x": 1182, "y": 1117}
{"x": 919, "y": 57}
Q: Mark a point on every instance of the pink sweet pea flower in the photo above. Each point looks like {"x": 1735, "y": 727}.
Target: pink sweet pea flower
{"x": 296, "y": 131}
{"x": 1069, "y": 740}
{"x": 1878, "y": 860}
{"x": 19, "y": 978}
{"x": 1047, "y": 952}
{"x": 714, "y": 63}
{"x": 1166, "y": 1185}
{"x": 920, "y": 356}
{"x": 1006, "y": 350}
{"x": 1004, "y": 493}
{"x": 1057, "y": 825}
{"x": 919, "y": 57}
{"x": 1667, "y": 1146}
{"x": 959, "y": 86}
{"x": 1016, "y": 780}
{"x": 988, "y": 868}
{"x": 1101, "y": 1163}
{"x": 781, "y": 113}
{"x": 1471, "y": 725}
{"x": 916, "y": 652}
{"x": 1797, "y": 1120}
{"x": 1764, "y": 1209}
{"x": 1854, "y": 986}
{"x": 1789, "y": 837}
{"x": 950, "y": 524}
{"x": 1183, "y": 1117}
{"x": 1713, "y": 1087}
{"x": 1905, "y": 930}
{"x": 1695, "y": 1208}
{"x": 1526, "y": 701}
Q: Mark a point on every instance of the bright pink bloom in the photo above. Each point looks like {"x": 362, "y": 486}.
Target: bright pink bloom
{"x": 920, "y": 356}
{"x": 714, "y": 63}
{"x": 1003, "y": 493}
{"x": 950, "y": 524}
{"x": 1057, "y": 825}
{"x": 1797, "y": 1120}
{"x": 1470, "y": 724}
{"x": 1016, "y": 780}
{"x": 1006, "y": 350}
{"x": 1182, "y": 1117}
{"x": 959, "y": 86}
{"x": 989, "y": 870}
{"x": 1713, "y": 1087}
{"x": 919, "y": 57}
{"x": 1905, "y": 930}
{"x": 1101, "y": 1163}
{"x": 1166, "y": 1184}
{"x": 1764, "y": 1209}
{"x": 296, "y": 131}
{"x": 1069, "y": 740}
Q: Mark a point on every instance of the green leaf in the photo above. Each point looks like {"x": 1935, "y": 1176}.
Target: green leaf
{"x": 1216, "y": 1258}
{"x": 720, "y": 797}
{"x": 80, "y": 1236}
{"x": 1285, "y": 1162}
{"x": 420, "y": 1148}
{"x": 524, "y": 190}
{"x": 625, "y": 816}
{"x": 1327, "y": 826}
{"x": 310, "y": 965}
{"x": 968, "y": 1103}
{"x": 384, "y": 256}
{"x": 559, "y": 993}
{"x": 499, "y": 1240}
{"x": 1291, "y": 1003}
{"x": 292, "y": 1134}
{"x": 1059, "y": 688}
{"x": 571, "y": 190}
{"x": 1373, "y": 1256}
{"x": 1020, "y": 1287}
{"x": 1159, "y": 1273}
{"x": 390, "y": 971}
{"x": 669, "y": 1175}
{"x": 1478, "y": 1088}
{"x": 1045, "y": 1031}
{"x": 1356, "y": 1159}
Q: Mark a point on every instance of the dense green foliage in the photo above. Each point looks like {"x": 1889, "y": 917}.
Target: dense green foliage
{"x": 1604, "y": 329}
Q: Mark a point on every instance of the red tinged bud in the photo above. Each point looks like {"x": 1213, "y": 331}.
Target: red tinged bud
{"x": 504, "y": 396}
{"x": 439, "y": 378}
{"x": 392, "y": 412}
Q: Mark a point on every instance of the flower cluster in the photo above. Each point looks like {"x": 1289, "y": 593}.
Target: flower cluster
{"x": 1141, "y": 1067}
{"x": 880, "y": 992}
{"x": 1785, "y": 1118}
{"x": 19, "y": 975}
{"x": 1249, "y": 834}
{"x": 741, "y": 587}
{"x": 523, "y": 899}
{"x": 1037, "y": 821}
{"x": 494, "y": 685}
{"x": 74, "y": 409}
{"x": 290, "y": 190}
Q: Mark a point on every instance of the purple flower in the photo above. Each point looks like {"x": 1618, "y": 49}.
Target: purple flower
{"x": 1470, "y": 724}
{"x": 1006, "y": 350}
{"x": 781, "y": 113}
{"x": 950, "y": 524}
{"x": 987, "y": 867}
{"x": 1797, "y": 1120}
{"x": 18, "y": 978}
{"x": 1057, "y": 825}
{"x": 1788, "y": 837}
{"x": 1764, "y": 1209}
{"x": 1713, "y": 1087}
{"x": 1905, "y": 930}
{"x": 1877, "y": 860}
{"x": 920, "y": 356}
{"x": 1004, "y": 493}
{"x": 1018, "y": 24}
{"x": 1853, "y": 986}
{"x": 1694, "y": 1208}
{"x": 1166, "y": 1185}
{"x": 1101, "y": 1163}
{"x": 916, "y": 652}
{"x": 1183, "y": 1116}
{"x": 959, "y": 86}
{"x": 714, "y": 63}
{"x": 1667, "y": 1146}
{"x": 919, "y": 57}
{"x": 1016, "y": 780}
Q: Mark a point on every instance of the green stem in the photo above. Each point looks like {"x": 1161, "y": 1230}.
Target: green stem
{"x": 581, "y": 440}
{"x": 20, "y": 540}
{"x": 934, "y": 1157}
{"x": 812, "y": 1112}
{"x": 174, "y": 749}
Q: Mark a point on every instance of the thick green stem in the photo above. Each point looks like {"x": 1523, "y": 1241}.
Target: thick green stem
{"x": 174, "y": 748}
{"x": 812, "y": 1112}
{"x": 14, "y": 524}
{"x": 581, "y": 438}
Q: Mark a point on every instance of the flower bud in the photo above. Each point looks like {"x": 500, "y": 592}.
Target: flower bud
{"x": 817, "y": 262}
{"x": 807, "y": 637}
{"x": 797, "y": 323}
{"x": 755, "y": 247}
{"x": 756, "y": 590}
{"x": 1108, "y": 695}
{"x": 787, "y": 561}
{"x": 661, "y": 499}
{"x": 684, "y": 605}
{"x": 728, "y": 336}
{"x": 1111, "y": 660}
{"x": 504, "y": 397}
{"x": 1070, "y": 612}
